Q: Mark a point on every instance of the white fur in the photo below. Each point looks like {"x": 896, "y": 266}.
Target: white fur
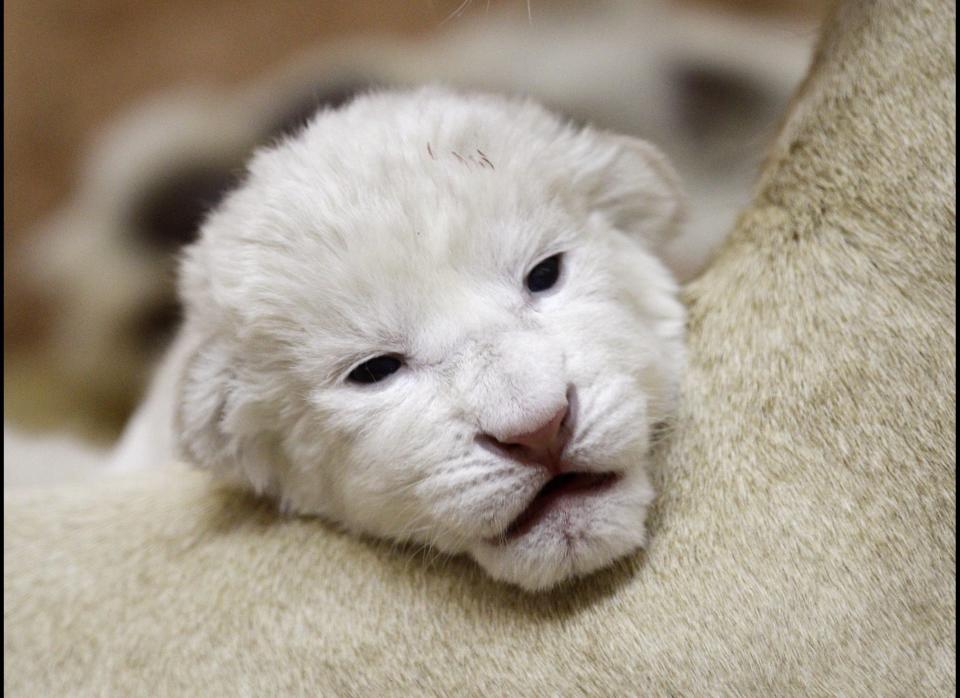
{"x": 406, "y": 223}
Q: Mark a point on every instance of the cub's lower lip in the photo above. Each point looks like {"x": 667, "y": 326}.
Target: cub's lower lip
{"x": 558, "y": 488}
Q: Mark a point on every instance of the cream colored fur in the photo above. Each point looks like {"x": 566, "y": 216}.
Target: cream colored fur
{"x": 804, "y": 539}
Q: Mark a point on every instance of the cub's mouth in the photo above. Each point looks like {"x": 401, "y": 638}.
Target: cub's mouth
{"x": 560, "y": 491}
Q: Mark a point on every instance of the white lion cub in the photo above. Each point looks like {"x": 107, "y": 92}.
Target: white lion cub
{"x": 438, "y": 318}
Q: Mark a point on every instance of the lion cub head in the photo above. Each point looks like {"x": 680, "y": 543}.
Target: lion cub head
{"x": 441, "y": 318}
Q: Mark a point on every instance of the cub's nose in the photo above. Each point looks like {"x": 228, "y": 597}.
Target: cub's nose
{"x": 541, "y": 445}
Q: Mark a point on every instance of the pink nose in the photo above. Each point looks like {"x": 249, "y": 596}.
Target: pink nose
{"x": 542, "y": 445}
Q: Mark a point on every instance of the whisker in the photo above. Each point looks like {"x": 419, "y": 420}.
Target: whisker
{"x": 456, "y": 13}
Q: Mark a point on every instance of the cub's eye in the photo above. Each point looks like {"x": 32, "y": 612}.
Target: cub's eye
{"x": 544, "y": 275}
{"x": 376, "y": 369}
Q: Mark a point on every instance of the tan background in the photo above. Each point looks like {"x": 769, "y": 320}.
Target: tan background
{"x": 69, "y": 67}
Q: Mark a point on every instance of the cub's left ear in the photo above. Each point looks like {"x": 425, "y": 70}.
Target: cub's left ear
{"x": 637, "y": 189}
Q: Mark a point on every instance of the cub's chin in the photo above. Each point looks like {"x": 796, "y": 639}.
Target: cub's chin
{"x": 577, "y": 524}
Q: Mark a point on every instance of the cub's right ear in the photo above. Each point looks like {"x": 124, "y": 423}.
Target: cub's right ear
{"x": 216, "y": 421}
{"x": 202, "y": 396}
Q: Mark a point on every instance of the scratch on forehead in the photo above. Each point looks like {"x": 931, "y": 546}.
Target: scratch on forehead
{"x": 477, "y": 157}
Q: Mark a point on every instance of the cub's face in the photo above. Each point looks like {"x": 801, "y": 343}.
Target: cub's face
{"x": 441, "y": 319}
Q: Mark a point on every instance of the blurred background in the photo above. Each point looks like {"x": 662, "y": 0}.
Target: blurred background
{"x": 125, "y": 121}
